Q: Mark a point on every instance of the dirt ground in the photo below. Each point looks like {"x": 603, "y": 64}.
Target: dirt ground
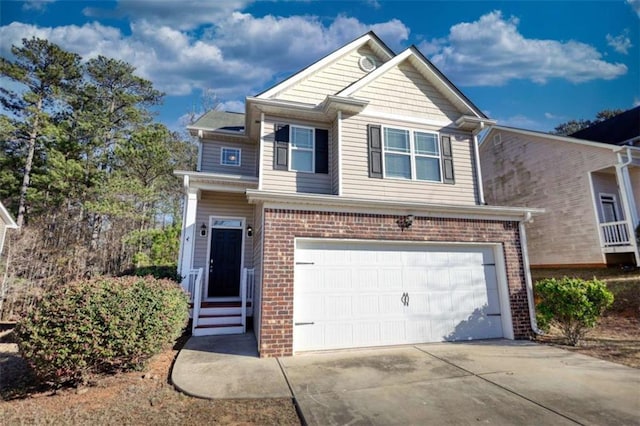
{"x": 126, "y": 399}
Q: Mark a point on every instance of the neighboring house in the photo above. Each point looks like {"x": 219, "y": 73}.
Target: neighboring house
{"x": 590, "y": 192}
{"x": 6, "y": 222}
{"x": 622, "y": 129}
{"x": 344, "y": 209}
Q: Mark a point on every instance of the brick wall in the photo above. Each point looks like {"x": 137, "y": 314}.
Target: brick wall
{"x": 281, "y": 227}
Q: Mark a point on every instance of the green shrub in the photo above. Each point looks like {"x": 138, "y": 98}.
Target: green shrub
{"x": 573, "y": 305}
{"x": 157, "y": 271}
{"x": 103, "y": 325}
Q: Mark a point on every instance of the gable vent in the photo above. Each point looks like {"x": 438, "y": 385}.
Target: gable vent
{"x": 367, "y": 63}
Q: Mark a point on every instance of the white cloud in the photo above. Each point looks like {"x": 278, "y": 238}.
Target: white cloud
{"x": 237, "y": 56}
{"x": 491, "y": 52}
{"x": 521, "y": 121}
{"x": 38, "y": 5}
{"x": 183, "y": 15}
{"x": 552, "y": 116}
{"x": 621, "y": 43}
{"x": 635, "y": 4}
{"x": 636, "y": 102}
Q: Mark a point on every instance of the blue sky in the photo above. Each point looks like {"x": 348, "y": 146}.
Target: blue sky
{"x": 529, "y": 64}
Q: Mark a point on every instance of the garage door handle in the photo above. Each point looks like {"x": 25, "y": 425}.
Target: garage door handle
{"x": 405, "y": 299}
{"x": 494, "y": 315}
{"x": 304, "y": 323}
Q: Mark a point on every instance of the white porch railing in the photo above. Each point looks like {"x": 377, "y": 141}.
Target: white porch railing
{"x": 247, "y": 286}
{"x": 615, "y": 234}
{"x": 195, "y": 289}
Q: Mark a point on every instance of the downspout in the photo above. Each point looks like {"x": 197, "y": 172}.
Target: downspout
{"x": 527, "y": 272}
{"x": 476, "y": 153}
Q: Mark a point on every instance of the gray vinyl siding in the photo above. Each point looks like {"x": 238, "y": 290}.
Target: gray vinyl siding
{"x": 530, "y": 171}
{"x": 291, "y": 181}
{"x": 355, "y": 168}
{"x": 227, "y": 205}
{"x": 330, "y": 79}
{"x": 334, "y": 165}
{"x": 402, "y": 90}
{"x": 212, "y": 150}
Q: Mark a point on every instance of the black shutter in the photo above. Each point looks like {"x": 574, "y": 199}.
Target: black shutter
{"x": 447, "y": 159}
{"x": 281, "y": 147}
{"x": 322, "y": 151}
{"x": 375, "y": 151}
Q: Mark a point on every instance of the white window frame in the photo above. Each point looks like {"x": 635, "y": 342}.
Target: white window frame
{"x": 609, "y": 198}
{"x": 412, "y": 153}
{"x": 312, "y": 149}
{"x": 239, "y": 150}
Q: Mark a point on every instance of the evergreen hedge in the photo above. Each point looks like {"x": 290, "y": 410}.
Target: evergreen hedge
{"x": 99, "y": 326}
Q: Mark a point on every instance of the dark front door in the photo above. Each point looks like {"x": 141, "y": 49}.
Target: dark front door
{"x": 224, "y": 264}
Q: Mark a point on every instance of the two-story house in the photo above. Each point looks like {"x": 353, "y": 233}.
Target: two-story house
{"x": 344, "y": 209}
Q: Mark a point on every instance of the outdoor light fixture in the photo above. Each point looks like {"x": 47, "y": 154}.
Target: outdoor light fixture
{"x": 203, "y": 230}
{"x": 405, "y": 222}
{"x": 249, "y": 231}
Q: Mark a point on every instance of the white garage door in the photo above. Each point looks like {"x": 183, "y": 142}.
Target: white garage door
{"x": 357, "y": 294}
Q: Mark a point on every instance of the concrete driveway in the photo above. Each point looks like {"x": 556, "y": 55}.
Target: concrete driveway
{"x": 491, "y": 382}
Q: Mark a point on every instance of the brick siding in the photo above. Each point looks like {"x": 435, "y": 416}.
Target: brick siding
{"x": 281, "y": 227}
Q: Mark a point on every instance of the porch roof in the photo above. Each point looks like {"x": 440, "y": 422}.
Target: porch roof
{"x": 216, "y": 181}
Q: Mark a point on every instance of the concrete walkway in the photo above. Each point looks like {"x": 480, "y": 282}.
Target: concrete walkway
{"x": 227, "y": 367}
{"x": 493, "y": 382}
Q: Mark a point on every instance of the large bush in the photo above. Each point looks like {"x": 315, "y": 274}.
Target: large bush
{"x": 572, "y": 304}
{"x": 102, "y": 325}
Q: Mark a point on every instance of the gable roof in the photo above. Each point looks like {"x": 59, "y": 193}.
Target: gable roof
{"x": 300, "y": 75}
{"x": 429, "y": 71}
{"x": 6, "y": 218}
{"x": 617, "y": 130}
{"x": 549, "y": 136}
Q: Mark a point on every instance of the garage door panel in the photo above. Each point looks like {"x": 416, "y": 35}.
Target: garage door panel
{"x": 392, "y": 332}
{"x": 414, "y": 278}
{"x": 440, "y": 302}
{"x": 353, "y": 294}
{"x": 438, "y": 279}
{"x": 364, "y": 279}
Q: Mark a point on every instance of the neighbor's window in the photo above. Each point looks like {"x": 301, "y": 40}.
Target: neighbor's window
{"x": 302, "y": 149}
{"x": 411, "y": 155}
{"x": 230, "y": 157}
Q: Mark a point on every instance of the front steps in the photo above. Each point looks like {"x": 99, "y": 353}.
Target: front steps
{"x": 217, "y": 318}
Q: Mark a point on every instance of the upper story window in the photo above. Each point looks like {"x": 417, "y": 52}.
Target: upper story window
{"x": 411, "y": 155}
{"x": 302, "y": 149}
{"x": 230, "y": 156}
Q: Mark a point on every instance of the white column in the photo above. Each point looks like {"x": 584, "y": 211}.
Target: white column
{"x": 187, "y": 240}
{"x": 628, "y": 205}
